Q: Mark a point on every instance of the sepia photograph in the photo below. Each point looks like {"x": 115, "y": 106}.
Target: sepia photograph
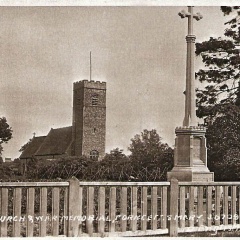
{"x": 119, "y": 118}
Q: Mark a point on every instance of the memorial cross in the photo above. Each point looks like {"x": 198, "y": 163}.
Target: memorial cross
{"x": 190, "y": 118}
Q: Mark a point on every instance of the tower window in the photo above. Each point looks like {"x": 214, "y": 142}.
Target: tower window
{"x": 79, "y": 101}
{"x": 94, "y": 130}
{"x": 94, "y": 155}
{"x": 95, "y": 100}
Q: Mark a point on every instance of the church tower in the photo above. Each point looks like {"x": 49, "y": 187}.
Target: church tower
{"x": 89, "y": 119}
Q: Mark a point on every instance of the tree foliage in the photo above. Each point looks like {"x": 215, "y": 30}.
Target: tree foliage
{"x": 148, "y": 151}
{"x": 62, "y": 168}
{"x": 146, "y": 163}
{"x": 219, "y": 101}
{"x": 5, "y": 132}
{"x": 221, "y": 73}
{"x": 223, "y": 137}
{"x": 115, "y": 155}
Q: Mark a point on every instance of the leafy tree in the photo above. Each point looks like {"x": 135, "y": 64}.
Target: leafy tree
{"x": 115, "y": 166}
{"x": 147, "y": 147}
{"x": 115, "y": 155}
{"x": 5, "y": 132}
{"x": 219, "y": 101}
{"x": 221, "y": 73}
{"x": 149, "y": 153}
{"x": 223, "y": 137}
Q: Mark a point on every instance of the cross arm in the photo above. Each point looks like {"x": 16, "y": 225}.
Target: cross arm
{"x": 198, "y": 16}
{"x": 184, "y": 14}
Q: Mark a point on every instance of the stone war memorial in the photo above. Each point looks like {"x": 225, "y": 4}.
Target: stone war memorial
{"x": 190, "y": 153}
{"x": 189, "y": 204}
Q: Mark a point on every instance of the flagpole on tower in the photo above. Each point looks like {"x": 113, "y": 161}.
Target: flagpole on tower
{"x": 90, "y": 66}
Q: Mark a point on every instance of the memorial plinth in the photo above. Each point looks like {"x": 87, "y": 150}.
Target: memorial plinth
{"x": 190, "y": 156}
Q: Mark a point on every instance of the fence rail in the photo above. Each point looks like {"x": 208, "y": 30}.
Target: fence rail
{"x": 76, "y": 208}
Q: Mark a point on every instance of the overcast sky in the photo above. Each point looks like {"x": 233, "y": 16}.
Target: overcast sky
{"x": 139, "y": 51}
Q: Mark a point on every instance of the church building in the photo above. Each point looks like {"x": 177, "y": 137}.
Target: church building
{"x": 86, "y": 136}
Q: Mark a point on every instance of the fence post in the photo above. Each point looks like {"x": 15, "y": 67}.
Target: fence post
{"x": 73, "y": 209}
{"x": 173, "y": 208}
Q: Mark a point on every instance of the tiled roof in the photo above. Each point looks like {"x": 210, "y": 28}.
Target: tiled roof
{"x": 56, "y": 142}
{"x": 32, "y": 148}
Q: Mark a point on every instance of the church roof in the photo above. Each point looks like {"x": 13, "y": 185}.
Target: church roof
{"x": 32, "y": 148}
{"x": 56, "y": 142}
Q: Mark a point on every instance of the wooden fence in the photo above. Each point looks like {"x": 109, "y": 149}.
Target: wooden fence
{"x": 104, "y": 209}
{"x": 215, "y": 206}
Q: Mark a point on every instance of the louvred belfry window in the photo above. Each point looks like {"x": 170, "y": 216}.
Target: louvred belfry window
{"x": 95, "y": 100}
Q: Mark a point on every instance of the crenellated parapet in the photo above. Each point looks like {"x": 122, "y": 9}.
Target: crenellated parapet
{"x": 89, "y": 84}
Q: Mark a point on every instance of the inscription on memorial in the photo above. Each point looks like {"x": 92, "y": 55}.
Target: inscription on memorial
{"x": 183, "y": 151}
{"x": 202, "y": 177}
{"x": 196, "y": 148}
